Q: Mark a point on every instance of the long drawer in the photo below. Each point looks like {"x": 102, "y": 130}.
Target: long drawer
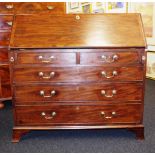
{"x": 6, "y": 22}
{"x": 79, "y": 92}
{"x": 77, "y": 74}
{"x": 37, "y": 115}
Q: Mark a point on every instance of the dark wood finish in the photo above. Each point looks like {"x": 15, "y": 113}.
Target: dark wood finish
{"x": 17, "y": 134}
{"x": 92, "y": 31}
{"x": 3, "y": 55}
{"x": 78, "y": 88}
{"x": 41, "y": 7}
{"x": 79, "y": 92}
{"x": 4, "y": 39}
{"x": 139, "y": 132}
{"x": 7, "y": 12}
{"x": 47, "y": 58}
{"x": 6, "y": 22}
{"x": 69, "y": 74}
{"x": 76, "y": 115}
{"x": 124, "y": 57}
{"x": 32, "y": 8}
{"x": 7, "y": 8}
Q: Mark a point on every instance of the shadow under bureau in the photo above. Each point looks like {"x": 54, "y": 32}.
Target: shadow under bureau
{"x": 77, "y": 72}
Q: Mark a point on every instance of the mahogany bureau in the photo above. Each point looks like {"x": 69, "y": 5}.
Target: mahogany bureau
{"x": 7, "y": 12}
{"x": 78, "y": 72}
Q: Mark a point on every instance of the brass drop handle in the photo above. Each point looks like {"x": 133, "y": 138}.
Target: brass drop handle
{"x": 9, "y": 23}
{"x": 103, "y": 92}
{"x": 50, "y": 7}
{"x": 114, "y": 73}
{"x": 42, "y": 59}
{"x": 102, "y": 113}
{"x": 52, "y": 115}
{"x": 9, "y": 6}
{"x": 109, "y": 59}
{"x": 51, "y": 75}
{"x": 42, "y": 93}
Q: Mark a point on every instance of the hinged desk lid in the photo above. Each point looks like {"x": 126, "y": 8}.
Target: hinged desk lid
{"x": 78, "y": 31}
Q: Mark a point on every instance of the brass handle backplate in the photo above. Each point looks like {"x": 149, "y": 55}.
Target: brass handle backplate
{"x": 50, "y": 7}
{"x": 51, "y": 75}
{"x": 9, "y": 6}
{"x": 46, "y": 60}
{"x": 104, "y": 93}
{"x": 52, "y": 115}
{"x": 109, "y": 59}
{"x": 103, "y": 114}
{"x": 52, "y": 93}
{"x": 114, "y": 73}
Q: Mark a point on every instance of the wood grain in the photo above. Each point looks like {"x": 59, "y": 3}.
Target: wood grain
{"x": 80, "y": 73}
{"x": 79, "y": 92}
{"x": 93, "y": 31}
{"x": 78, "y": 115}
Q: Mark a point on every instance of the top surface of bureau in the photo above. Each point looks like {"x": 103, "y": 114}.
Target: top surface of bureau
{"x": 77, "y": 31}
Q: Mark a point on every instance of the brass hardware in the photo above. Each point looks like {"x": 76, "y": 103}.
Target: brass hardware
{"x": 11, "y": 59}
{"x": 102, "y": 113}
{"x": 103, "y": 92}
{"x": 46, "y": 60}
{"x": 49, "y": 7}
{"x": 108, "y": 117}
{"x": 9, "y": 23}
{"x": 77, "y": 17}
{"x": 42, "y": 93}
{"x": 114, "y": 73}
{"x": 109, "y": 59}
{"x": 52, "y": 115}
{"x": 143, "y": 58}
{"x": 9, "y": 6}
{"x": 41, "y": 74}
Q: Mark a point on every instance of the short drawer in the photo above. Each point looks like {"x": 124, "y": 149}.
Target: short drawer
{"x": 110, "y": 58}
{"x": 54, "y": 58}
{"x": 3, "y": 55}
{"x": 77, "y": 74}
{"x": 76, "y": 115}
{"x": 4, "y": 74}
{"x": 7, "y": 8}
{"x": 79, "y": 92}
{"x": 6, "y": 22}
{"x": 41, "y": 7}
{"x": 4, "y": 38}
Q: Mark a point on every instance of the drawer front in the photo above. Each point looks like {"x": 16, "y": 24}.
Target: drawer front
{"x": 110, "y": 58}
{"x": 78, "y": 114}
{"x": 4, "y": 74}
{"x": 46, "y": 58}
{"x": 5, "y": 90}
{"x": 4, "y": 38}
{"x": 79, "y": 92}
{"x": 6, "y": 22}
{"x": 77, "y": 74}
{"x": 3, "y": 55}
{"x": 7, "y": 8}
{"x": 43, "y": 7}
